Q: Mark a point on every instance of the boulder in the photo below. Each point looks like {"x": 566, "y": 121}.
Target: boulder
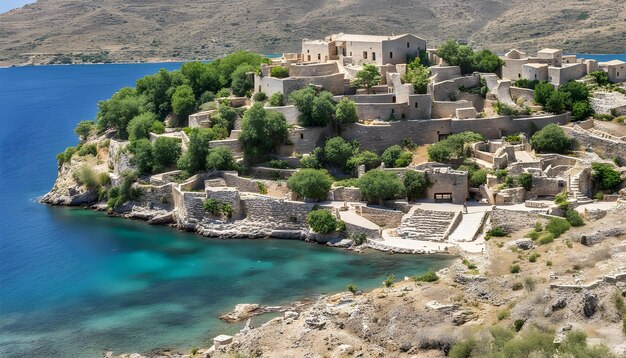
{"x": 559, "y": 304}
{"x": 242, "y": 311}
{"x": 525, "y": 244}
{"x": 590, "y": 304}
{"x": 462, "y": 317}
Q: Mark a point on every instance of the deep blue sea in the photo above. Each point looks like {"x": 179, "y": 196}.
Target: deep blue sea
{"x": 75, "y": 283}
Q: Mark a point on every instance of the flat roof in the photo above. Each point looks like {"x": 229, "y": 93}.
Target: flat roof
{"x": 367, "y": 38}
{"x": 549, "y": 50}
{"x": 535, "y": 65}
{"x": 613, "y": 63}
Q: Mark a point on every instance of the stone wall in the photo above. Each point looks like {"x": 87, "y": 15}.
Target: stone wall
{"x": 381, "y": 217}
{"x": 350, "y": 194}
{"x": 513, "y": 220}
{"x": 448, "y": 181}
{"x": 517, "y": 168}
{"x": 379, "y": 137}
{"x": 291, "y": 113}
{"x": 381, "y": 111}
{"x": 447, "y": 109}
{"x": 445, "y": 73}
{"x": 477, "y": 100}
{"x": 372, "y": 98}
{"x": 442, "y": 91}
{"x": 189, "y": 206}
{"x": 306, "y": 139}
{"x": 313, "y": 69}
{"x": 226, "y": 195}
{"x": 525, "y": 93}
{"x": 233, "y": 180}
{"x": 234, "y": 145}
{"x": 281, "y": 212}
{"x": 156, "y": 197}
{"x": 271, "y": 173}
{"x": 607, "y": 148}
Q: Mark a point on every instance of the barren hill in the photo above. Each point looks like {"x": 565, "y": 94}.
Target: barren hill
{"x": 148, "y": 30}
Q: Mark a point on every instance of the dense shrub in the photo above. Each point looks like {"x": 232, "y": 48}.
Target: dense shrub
{"x": 66, "y": 156}
{"x": 277, "y": 100}
{"x": 165, "y": 152}
{"x": 207, "y": 96}
{"x": 183, "y": 101}
{"x": 557, "y": 102}
{"x": 240, "y": 84}
{"x": 345, "y": 111}
{"x": 478, "y": 177}
{"x": 496, "y": 231}
{"x": 601, "y": 77}
{"x": 88, "y": 149}
{"x": 525, "y": 83}
{"x": 311, "y": 161}
{"x": 551, "y": 139}
{"x": 377, "y": 186}
{"x": 525, "y": 180}
{"x": 542, "y": 92}
{"x": 573, "y": 217}
{"x": 390, "y": 155}
{"x": 118, "y": 195}
{"x": 143, "y": 156}
{"x": 415, "y": 184}
{"x": 581, "y": 110}
{"x": 194, "y": 159}
{"x": 545, "y": 238}
{"x": 278, "y": 164}
{"x": 337, "y": 152}
{"x": 279, "y": 72}
{"x": 428, "y": 276}
{"x": 317, "y": 109}
{"x": 463, "y": 56}
{"x": 117, "y": 111}
{"x": 218, "y": 208}
{"x": 418, "y": 75}
{"x": 369, "y": 159}
{"x": 322, "y": 221}
{"x": 453, "y": 147}
{"x": 86, "y": 176}
{"x": 220, "y": 158}
{"x": 311, "y": 183}
{"x": 504, "y": 109}
{"x": 515, "y": 268}
{"x": 139, "y": 127}
{"x": 557, "y": 226}
{"x": 259, "y": 97}
{"x": 157, "y": 127}
{"x": 606, "y": 177}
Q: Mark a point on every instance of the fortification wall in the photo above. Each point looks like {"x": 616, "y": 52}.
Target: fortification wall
{"x": 233, "y": 179}
{"x": 525, "y": 93}
{"x": 544, "y": 186}
{"x": 306, "y": 139}
{"x": 332, "y": 83}
{"x": 271, "y": 173}
{"x": 377, "y": 138}
{"x": 156, "y": 197}
{"x": 350, "y": 194}
{"x": 234, "y": 145}
{"x": 281, "y": 212}
{"x": 445, "y": 73}
{"x": 442, "y": 90}
{"x": 381, "y": 111}
{"x": 371, "y": 98}
{"x": 447, "y": 109}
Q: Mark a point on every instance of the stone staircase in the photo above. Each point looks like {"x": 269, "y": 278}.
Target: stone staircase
{"x": 574, "y": 191}
{"x": 429, "y": 225}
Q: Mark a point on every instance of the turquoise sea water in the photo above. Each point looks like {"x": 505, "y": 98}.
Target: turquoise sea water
{"x": 74, "y": 283}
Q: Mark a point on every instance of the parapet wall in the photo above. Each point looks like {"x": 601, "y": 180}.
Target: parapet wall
{"x": 607, "y": 148}
{"x": 313, "y": 69}
{"x": 442, "y": 90}
{"x": 447, "y": 109}
{"x": 513, "y": 220}
{"x": 291, "y": 113}
{"x": 381, "y": 217}
{"x": 232, "y": 179}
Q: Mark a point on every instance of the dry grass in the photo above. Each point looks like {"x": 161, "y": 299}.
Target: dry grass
{"x": 184, "y": 29}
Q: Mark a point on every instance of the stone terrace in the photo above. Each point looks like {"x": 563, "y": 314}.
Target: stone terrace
{"x": 421, "y": 224}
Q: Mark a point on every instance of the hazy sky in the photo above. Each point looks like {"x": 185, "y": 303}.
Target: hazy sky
{"x": 6, "y": 5}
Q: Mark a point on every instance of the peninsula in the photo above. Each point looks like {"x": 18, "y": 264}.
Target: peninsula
{"x": 514, "y": 163}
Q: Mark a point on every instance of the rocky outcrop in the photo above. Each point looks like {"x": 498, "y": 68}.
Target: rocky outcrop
{"x": 66, "y": 191}
{"x": 600, "y": 235}
{"x": 244, "y": 311}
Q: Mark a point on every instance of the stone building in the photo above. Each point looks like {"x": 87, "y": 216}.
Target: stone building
{"x": 616, "y": 70}
{"x": 361, "y": 49}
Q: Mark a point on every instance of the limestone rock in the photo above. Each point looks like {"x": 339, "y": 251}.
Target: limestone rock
{"x": 525, "y": 244}
{"x": 600, "y": 235}
{"x": 462, "y": 317}
{"x": 590, "y": 304}
{"x": 559, "y": 304}
{"x": 242, "y": 311}
{"x": 315, "y": 323}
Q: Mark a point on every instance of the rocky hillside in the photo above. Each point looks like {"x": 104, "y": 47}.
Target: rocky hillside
{"x": 133, "y": 30}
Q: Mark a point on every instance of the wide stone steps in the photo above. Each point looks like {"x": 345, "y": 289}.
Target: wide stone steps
{"x": 425, "y": 225}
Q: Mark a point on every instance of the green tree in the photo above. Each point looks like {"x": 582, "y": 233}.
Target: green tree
{"x": 390, "y": 155}
{"x": 158, "y": 90}
{"x": 201, "y": 77}
{"x": 607, "y": 178}
{"x": 183, "y": 101}
{"x": 345, "y": 112}
{"x": 316, "y": 109}
{"x": 542, "y": 93}
{"x": 601, "y": 77}
{"x": 310, "y": 183}
{"x": 487, "y": 61}
{"x": 456, "y": 54}
{"x": 582, "y": 110}
{"x": 261, "y": 132}
{"x": 415, "y": 184}
{"x": 418, "y": 75}
{"x": 220, "y": 158}
{"x": 557, "y": 102}
{"x": 576, "y": 91}
{"x": 279, "y": 72}
{"x": 313, "y": 160}
{"x": 194, "y": 159}
{"x": 240, "y": 84}
{"x": 337, "y": 151}
{"x": 322, "y": 221}
{"x": 142, "y": 155}
{"x": 165, "y": 152}
{"x": 551, "y": 139}
{"x": 377, "y": 186}
{"x": 117, "y": 111}
{"x": 140, "y": 126}
{"x": 370, "y": 159}
{"x": 452, "y": 147}
{"x": 367, "y": 77}
{"x": 83, "y": 129}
